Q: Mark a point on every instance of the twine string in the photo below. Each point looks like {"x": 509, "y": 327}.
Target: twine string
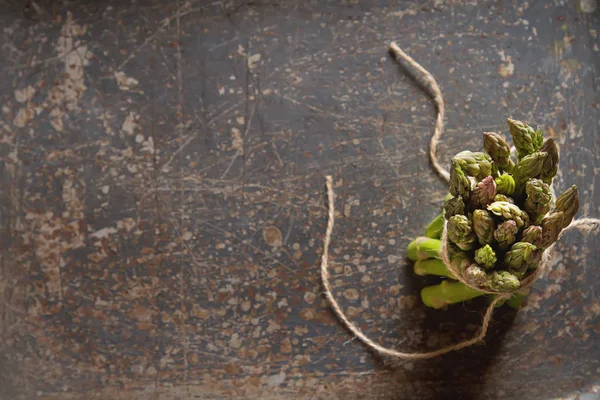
{"x": 433, "y": 90}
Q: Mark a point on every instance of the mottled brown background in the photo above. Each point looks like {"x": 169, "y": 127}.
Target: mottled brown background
{"x": 162, "y": 203}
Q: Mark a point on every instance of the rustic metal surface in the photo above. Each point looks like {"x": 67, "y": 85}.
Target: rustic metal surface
{"x": 162, "y": 204}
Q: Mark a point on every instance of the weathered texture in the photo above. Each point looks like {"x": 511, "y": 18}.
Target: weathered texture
{"x": 162, "y": 208}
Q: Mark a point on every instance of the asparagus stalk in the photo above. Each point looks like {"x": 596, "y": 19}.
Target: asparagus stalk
{"x": 516, "y": 301}
{"x": 520, "y": 258}
{"x": 502, "y": 197}
{"x": 475, "y": 164}
{"x": 527, "y": 140}
{"x": 538, "y": 199}
{"x": 505, "y": 184}
{"x": 510, "y": 212}
{"x": 495, "y": 145}
{"x": 504, "y": 281}
{"x": 484, "y": 193}
{"x": 423, "y": 248}
{"x": 460, "y": 260}
{"x": 453, "y": 207}
{"x": 432, "y": 266}
{"x": 447, "y": 292}
{"x": 485, "y": 256}
{"x": 506, "y": 234}
{"x": 475, "y": 275}
{"x": 499, "y": 304}
{"x": 568, "y": 203}
{"x": 551, "y": 227}
{"x": 460, "y": 184}
{"x": 550, "y": 167}
{"x": 532, "y": 235}
{"x": 483, "y": 225}
{"x": 528, "y": 167}
{"x": 435, "y": 227}
{"x": 460, "y": 232}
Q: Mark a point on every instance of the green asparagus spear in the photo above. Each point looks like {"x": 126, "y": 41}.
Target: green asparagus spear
{"x": 495, "y": 145}
{"x": 454, "y": 206}
{"x": 516, "y": 301}
{"x": 435, "y": 227}
{"x": 503, "y": 281}
{"x": 485, "y": 256}
{"x": 423, "y": 248}
{"x": 499, "y": 304}
{"x": 432, "y": 266}
{"x": 568, "y": 203}
{"x": 495, "y": 170}
{"x": 536, "y": 257}
{"x": 483, "y": 225}
{"x": 551, "y": 226}
{"x": 550, "y": 167}
{"x": 506, "y": 234}
{"x": 475, "y": 164}
{"x": 520, "y": 258}
{"x": 501, "y": 197}
{"x": 532, "y": 234}
{"x": 528, "y": 167}
{"x": 526, "y": 139}
{"x": 475, "y": 275}
{"x": 447, "y": 292}
{"x": 538, "y": 199}
{"x": 460, "y": 184}
{"x": 484, "y": 193}
{"x": 510, "y": 211}
{"x": 460, "y": 232}
{"x": 460, "y": 260}
{"x": 505, "y": 184}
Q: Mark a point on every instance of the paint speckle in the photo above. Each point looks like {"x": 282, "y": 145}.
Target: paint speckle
{"x": 285, "y": 346}
{"x": 272, "y": 236}
{"x": 253, "y": 60}
{"x": 506, "y": 69}
{"x": 588, "y": 6}
{"x": 25, "y": 94}
{"x": 351, "y": 294}
{"x": 276, "y": 380}
{"x": 309, "y": 297}
{"x": 307, "y": 314}
{"x": 245, "y": 306}
{"x": 237, "y": 141}
{"x": 125, "y": 82}
{"x": 130, "y": 123}
{"x": 23, "y": 117}
{"x": 235, "y": 342}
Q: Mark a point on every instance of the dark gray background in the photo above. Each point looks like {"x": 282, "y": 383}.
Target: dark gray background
{"x": 162, "y": 205}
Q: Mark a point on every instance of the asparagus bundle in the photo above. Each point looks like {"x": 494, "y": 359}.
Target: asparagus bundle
{"x": 499, "y": 218}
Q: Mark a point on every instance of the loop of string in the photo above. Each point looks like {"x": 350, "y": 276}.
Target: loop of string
{"x": 432, "y": 88}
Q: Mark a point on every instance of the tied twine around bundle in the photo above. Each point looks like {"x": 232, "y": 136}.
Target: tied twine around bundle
{"x": 433, "y": 90}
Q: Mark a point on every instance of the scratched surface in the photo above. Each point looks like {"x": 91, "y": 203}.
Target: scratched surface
{"x": 162, "y": 206}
